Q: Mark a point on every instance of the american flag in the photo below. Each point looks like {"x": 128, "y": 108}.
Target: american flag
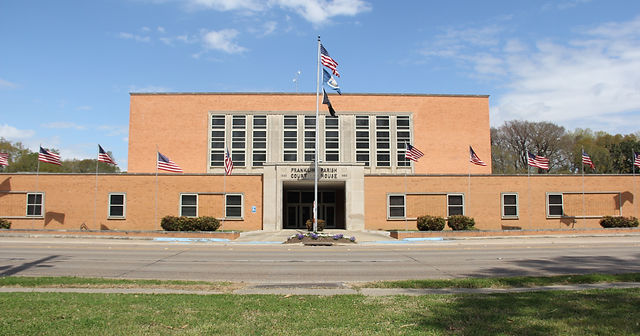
{"x": 586, "y": 159}
{"x": 165, "y": 164}
{"x": 412, "y": 153}
{"x": 49, "y": 157}
{"x": 104, "y": 156}
{"x": 228, "y": 163}
{"x": 327, "y": 61}
{"x": 475, "y": 159}
{"x": 4, "y": 159}
{"x": 636, "y": 159}
{"x": 537, "y": 161}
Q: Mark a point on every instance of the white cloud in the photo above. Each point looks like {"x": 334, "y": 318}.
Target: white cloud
{"x": 15, "y": 134}
{"x": 135, "y": 37}
{"x": 7, "y": 84}
{"x": 589, "y": 81}
{"x": 114, "y": 130}
{"x": 314, "y": 11}
{"x": 222, "y": 40}
{"x": 63, "y": 125}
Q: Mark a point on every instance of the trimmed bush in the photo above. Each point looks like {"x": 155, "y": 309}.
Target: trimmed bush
{"x": 5, "y": 224}
{"x": 460, "y": 222}
{"x": 618, "y": 222}
{"x": 431, "y": 223}
{"x": 205, "y": 223}
{"x": 320, "y": 225}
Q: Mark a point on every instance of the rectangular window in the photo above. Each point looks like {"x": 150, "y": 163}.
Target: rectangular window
{"x": 455, "y": 204}
{"x": 217, "y": 140}
{"x": 383, "y": 155}
{"x": 35, "y": 204}
{"x": 403, "y": 136}
{"x": 309, "y": 138}
{"x": 396, "y": 206}
{"x": 331, "y": 139}
{"x": 117, "y": 205}
{"x": 189, "y": 205}
{"x": 259, "y": 140}
{"x": 509, "y": 205}
{"x": 290, "y": 138}
{"x": 362, "y": 139}
{"x": 238, "y": 140}
{"x": 554, "y": 205}
{"x": 233, "y": 206}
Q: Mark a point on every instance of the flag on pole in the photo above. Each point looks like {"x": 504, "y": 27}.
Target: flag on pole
{"x": 636, "y": 159}
{"x": 4, "y": 159}
{"x": 586, "y": 159}
{"x": 537, "y": 161}
{"x": 412, "y": 153}
{"x": 228, "y": 163}
{"x": 164, "y": 163}
{"x": 330, "y": 81}
{"x": 49, "y": 157}
{"x": 103, "y": 156}
{"x": 327, "y": 61}
{"x": 325, "y": 100}
{"x": 474, "y": 158}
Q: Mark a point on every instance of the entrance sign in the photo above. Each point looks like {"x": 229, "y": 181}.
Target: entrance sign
{"x": 304, "y": 173}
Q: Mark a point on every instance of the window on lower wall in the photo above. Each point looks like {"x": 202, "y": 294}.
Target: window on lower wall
{"x": 117, "y": 206}
{"x": 233, "y": 206}
{"x": 555, "y": 205}
{"x": 455, "y": 204}
{"x": 396, "y": 206}
{"x": 189, "y": 205}
{"x": 509, "y": 205}
{"x": 35, "y": 204}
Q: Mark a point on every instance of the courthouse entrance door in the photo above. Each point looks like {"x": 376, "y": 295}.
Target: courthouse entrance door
{"x": 298, "y": 208}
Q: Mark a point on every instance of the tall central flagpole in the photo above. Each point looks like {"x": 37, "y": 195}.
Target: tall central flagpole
{"x": 528, "y": 189}
{"x": 633, "y": 167}
{"x": 584, "y": 217}
{"x": 315, "y": 184}
{"x": 95, "y": 198}
{"x": 155, "y": 213}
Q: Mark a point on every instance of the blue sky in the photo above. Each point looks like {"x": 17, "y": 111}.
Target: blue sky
{"x": 67, "y": 67}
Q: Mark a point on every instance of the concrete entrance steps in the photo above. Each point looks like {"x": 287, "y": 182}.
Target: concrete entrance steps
{"x": 283, "y": 235}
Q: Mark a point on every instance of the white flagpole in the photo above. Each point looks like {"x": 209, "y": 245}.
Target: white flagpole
{"x": 95, "y": 196}
{"x": 633, "y": 168}
{"x": 584, "y": 219}
{"x": 155, "y": 215}
{"x": 467, "y": 200}
{"x": 224, "y": 188}
{"x": 528, "y": 190}
{"x": 37, "y": 176}
{"x": 315, "y": 184}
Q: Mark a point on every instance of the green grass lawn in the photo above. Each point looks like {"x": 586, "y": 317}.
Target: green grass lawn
{"x": 595, "y": 312}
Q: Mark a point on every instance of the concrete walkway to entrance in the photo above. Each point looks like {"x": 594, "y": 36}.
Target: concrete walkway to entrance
{"x": 283, "y": 235}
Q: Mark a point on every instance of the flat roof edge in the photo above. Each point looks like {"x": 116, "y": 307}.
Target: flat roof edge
{"x": 298, "y": 94}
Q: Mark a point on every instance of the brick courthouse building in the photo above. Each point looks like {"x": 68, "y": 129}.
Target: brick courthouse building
{"x": 365, "y": 181}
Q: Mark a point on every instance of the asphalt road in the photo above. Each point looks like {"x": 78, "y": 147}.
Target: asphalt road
{"x": 295, "y": 264}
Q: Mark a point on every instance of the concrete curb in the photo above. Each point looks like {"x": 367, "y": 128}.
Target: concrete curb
{"x": 284, "y": 289}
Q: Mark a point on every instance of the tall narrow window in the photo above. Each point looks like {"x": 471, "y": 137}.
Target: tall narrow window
{"x": 290, "y": 138}
{"x": 189, "y": 205}
{"x": 217, "y": 140}
{"x": 35, "y": 204}
{"x": 259, "y": 140}
{"x": 233, "y": 206}
{"x": 362, "y": 139}
{"x": 554, "y": 205}
{"x": 403, "y": 136}
{"x": 509, "y": 205}
{"x": 383, "y": 156}
{"x": 455, "y": 204}
{"x": 396, "y": 206}
{"x": 238, "y": 140}
{"x": 117, "y": 205}
{"x": 309, "y": 138}
{"x": 332, "y": 139}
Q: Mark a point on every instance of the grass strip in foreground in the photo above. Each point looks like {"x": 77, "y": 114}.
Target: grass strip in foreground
{"x": 594, "y": 312}
{"x": 505, "y": 282}
{"x": 78, "y": 282}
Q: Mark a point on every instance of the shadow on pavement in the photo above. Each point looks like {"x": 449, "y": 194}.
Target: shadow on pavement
{"x": 8, "y": 270}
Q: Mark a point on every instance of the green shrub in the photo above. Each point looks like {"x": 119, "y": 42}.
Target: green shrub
{"x": 5, "y": 224}
{"x": 618, "y": 222}
{"x": 205, "y": 223}
{"x": 431, "y": 223}
{"x": 460, "y": 222}
{"x": 320, "y": 225}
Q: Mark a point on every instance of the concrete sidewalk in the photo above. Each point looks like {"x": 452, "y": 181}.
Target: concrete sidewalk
{"x": 338, "y": 289}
